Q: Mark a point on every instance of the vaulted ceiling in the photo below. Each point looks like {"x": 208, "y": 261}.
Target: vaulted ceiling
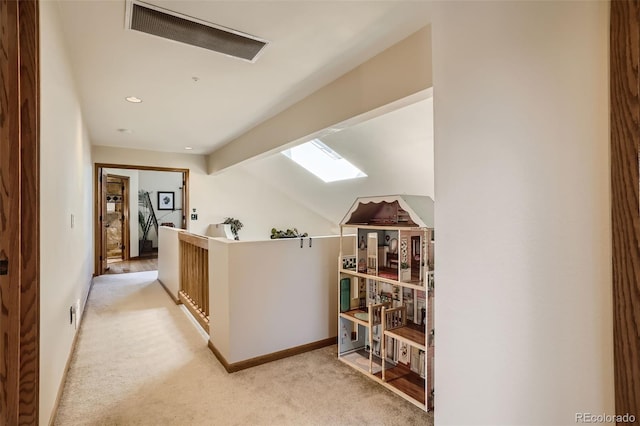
{"x": 395, "y": 150}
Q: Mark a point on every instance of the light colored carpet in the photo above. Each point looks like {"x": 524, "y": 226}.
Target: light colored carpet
{"x": 140, "y": 360}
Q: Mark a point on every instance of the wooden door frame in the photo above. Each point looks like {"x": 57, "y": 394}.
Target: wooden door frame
{"x": 126, "y": 253}
{"x": 97, "y": 196}
{"x": 19, "y": 211}
{"x": 102, "y": 212}
{"x": 624, "y": 60}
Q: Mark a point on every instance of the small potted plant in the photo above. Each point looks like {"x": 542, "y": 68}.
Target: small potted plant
{"x": 405, "y": 272}
{"x": 289, "y": 233}
{"x": 144, "y": 244}
{"x": 236, "y": 226}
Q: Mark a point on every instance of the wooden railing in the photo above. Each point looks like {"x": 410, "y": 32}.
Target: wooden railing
{"x": 194, "y": 276}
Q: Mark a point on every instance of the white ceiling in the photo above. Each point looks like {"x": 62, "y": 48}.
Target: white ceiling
{"x": 311, "y": 44}
{"x": 395, "y": 151}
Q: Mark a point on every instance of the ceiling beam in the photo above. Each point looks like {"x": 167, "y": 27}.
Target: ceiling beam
{"x": 396, "y": 74}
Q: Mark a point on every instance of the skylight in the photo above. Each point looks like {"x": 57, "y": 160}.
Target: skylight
{"x": 323, "y": 161}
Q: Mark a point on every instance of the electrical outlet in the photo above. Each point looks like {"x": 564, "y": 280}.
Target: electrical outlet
{"x": 194, "y": 216}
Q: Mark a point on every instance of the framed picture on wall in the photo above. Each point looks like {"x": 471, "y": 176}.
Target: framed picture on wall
{"x": 166, "y": 200}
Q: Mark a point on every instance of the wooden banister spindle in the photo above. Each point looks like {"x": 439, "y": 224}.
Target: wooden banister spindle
{"x": 194, "y": 276}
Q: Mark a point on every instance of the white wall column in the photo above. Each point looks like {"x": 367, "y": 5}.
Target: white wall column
{"x": 523, "y": 270}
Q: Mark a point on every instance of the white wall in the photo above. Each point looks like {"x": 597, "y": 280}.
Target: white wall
{"x": 233, "y": 193}
{"x": 133, "y": 207}
{"x": 169, "y": 259}
{"x": 268, "y": 296}
{"x": 258, "y": 205}
{"x": 523, "y": 276}
{"x": 154, "y": 181}
{"x": 66, "y": 252}
{"x": 219, "y": 283}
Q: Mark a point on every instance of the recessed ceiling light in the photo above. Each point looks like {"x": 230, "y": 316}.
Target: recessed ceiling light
{"x": 133, "y": 99}
{"x": 188, "y": 148}
{"x": 125, "y": 130}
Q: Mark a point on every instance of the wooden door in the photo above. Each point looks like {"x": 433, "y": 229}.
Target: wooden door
{"x": 117, "y": 218}
{"x": 19, "y": 212}
{"x": 416, "y": 257}
{"x": 103, "y": 221}
{"x": 126, "y": 224}
{"x": 372, "y": 253}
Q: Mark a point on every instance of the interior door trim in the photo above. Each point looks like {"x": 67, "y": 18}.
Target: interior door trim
{"x": 19, "y": 211}
{"x": 625, "y": 203}
{"x": 96, "y": 196}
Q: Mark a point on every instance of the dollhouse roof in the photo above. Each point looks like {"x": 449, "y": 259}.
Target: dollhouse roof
{"x": 391, "y": 210}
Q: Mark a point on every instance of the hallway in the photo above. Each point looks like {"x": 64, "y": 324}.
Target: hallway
{"x": 133, "y": 265}
{"x": 140, "y": 359}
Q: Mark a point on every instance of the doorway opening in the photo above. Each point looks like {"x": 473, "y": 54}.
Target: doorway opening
{"x": 131, "y": 203}
{"x": 117, "y": 218}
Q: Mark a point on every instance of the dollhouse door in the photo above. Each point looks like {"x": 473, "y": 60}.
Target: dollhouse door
{"x": 372, "y": 253}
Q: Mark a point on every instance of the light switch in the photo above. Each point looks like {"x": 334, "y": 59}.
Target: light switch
{"x": 73, "y": 220}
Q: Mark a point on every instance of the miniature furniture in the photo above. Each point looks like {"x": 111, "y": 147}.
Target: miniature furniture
{"x": 395, "y": 326}
{"x": 385, "y": 328}
{"x": 369, "y": 318}
{"x": 392, "y": 260}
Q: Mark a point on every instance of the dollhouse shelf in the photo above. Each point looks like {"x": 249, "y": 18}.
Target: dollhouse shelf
{"x": 390, "y": 270}
{"x": 415, "y": 284}
{"x": 409, "y": 334}
{"x": 351, "y": 316}
{"x": 405, "y": 383}
{"x": 399, "y": 378}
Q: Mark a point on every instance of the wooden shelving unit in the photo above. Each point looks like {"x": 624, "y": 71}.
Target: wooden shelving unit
{"x": 386, "y": 290}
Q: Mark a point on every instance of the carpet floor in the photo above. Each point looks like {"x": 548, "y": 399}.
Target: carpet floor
{"x": 141, "y": 360}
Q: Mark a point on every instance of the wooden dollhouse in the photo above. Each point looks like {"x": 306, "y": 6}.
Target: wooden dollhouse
{"x": 386, "y": 290}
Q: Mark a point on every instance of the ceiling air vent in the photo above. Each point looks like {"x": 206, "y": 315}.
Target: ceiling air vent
{"x": 185, "y": 29}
